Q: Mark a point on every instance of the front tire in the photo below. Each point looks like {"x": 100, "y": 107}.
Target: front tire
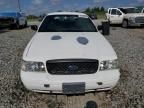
{"x": 125, "y": 24}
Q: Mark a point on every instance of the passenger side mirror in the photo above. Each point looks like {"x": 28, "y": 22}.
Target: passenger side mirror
{"x": 119, "y": 14}
{"x": 34, "y": 27}
{"x": 105, "y": 27}
{"x": 99, "y": 27}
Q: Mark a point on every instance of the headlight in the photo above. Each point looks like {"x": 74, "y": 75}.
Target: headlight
{"x": 132, "y": 19}
{"x": 29, "y": 66}
{"x": 109, "y": 64}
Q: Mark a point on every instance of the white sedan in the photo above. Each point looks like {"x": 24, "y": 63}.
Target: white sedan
{"x": 69, "y": 55}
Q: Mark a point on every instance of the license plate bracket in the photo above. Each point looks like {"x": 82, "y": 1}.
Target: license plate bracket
{"x": 73, "y": 88}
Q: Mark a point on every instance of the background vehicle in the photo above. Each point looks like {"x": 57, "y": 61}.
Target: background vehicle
{"x": 65, "y": 56}
{"x": 13, "y": 19}
{"x": 127, "y": 16}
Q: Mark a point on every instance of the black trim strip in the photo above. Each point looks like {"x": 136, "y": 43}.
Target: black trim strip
{"x": 71, "y": 60}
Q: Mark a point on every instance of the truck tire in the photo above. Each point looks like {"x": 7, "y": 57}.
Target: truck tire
{"x": 125, "y": 24}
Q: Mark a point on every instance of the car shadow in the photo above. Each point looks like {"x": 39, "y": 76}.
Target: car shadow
{"x": 13, "y": 28}
{"x": 3, "y": 30}
{"x": 115, "y": 25}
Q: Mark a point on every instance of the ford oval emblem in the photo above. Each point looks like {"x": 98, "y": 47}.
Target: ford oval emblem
{"x": 72, "y": 67}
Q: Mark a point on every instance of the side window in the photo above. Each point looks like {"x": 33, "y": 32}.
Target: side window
{"x": 119, "y": 13}
{"x": 114, "y": 12}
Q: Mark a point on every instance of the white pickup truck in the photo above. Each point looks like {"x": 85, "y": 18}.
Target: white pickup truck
{"x": 69, "y": 55}
{"x": 127, "y": 16}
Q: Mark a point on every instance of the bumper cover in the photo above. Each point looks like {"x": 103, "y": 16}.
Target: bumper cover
{"x": 132, "y": 23}
{"x": 37, "y": 81}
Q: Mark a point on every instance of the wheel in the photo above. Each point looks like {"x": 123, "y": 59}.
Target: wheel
{"x": 125, "y": 24}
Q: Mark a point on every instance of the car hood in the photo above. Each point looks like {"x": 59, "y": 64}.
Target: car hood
{"x": 43, "y": 47}
{"x": 134, "y": 15}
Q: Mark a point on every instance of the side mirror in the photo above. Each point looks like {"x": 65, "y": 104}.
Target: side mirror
{"x": 99, "y": 27}
{"x": 34, "y": 27}
{"x": 106, "y": 28}
{"x": 119, "y": 14}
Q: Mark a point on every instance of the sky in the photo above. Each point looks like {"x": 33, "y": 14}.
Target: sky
{"x": 45, "y": 6}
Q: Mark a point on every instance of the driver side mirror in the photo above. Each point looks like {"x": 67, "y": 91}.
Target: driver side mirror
{"x": 34, "y": 27}
{"x": 119, "y": 14}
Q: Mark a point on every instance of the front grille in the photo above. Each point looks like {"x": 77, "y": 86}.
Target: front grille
{"x": 72, "y": 66}
{"x": 139, "y": 19}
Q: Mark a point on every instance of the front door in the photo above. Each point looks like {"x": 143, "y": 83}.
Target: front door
{"x": 116, "y": 16}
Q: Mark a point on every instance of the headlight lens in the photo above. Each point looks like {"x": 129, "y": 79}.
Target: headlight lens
{"x": 29, "y": 66}
{"x": 109, "y": 64}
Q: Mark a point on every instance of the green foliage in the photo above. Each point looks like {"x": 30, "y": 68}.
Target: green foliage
{"x": 32, "y": 17}
{"x": 95, "y": 11}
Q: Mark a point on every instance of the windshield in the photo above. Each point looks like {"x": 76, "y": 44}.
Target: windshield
{"x": 129, "y": 10}
{"x": 67, "y": 23}
{"x": 8, "y": 14}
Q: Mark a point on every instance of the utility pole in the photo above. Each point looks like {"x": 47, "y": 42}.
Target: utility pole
{"x": 19, "y": 5}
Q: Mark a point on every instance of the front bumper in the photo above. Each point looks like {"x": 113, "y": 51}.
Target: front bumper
{"x": 37, "y": 81}
{"x": 132, "y": 23}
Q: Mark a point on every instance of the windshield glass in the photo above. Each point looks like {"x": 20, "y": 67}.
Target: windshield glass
{"x": 129, "y": 10}
{"x": 67, "y": 23}
{"x": 8, "y": 14}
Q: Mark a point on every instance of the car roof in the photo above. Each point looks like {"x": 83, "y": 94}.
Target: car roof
{"x": 66, "y": 13}
{"x": 127, "y": 7}
{"x": 121, "y": 7}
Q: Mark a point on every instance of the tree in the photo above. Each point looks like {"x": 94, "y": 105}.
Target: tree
{"x": 87, "y": 11}
{"x": 95, "y": 11}
{"x": 102, "y": 9}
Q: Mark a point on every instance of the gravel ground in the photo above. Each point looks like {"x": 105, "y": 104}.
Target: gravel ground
{"x": 129, "y": 45}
